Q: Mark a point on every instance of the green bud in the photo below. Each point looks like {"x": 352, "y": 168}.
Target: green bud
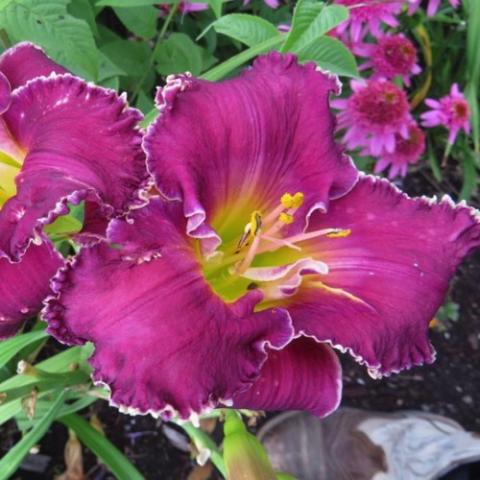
{"x": 245, "y": 458}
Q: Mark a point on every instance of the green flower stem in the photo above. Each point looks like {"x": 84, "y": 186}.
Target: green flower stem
{"x": 203, "y": 440}
{"x": 160, "y": 36}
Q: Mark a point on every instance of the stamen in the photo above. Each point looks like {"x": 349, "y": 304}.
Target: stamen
{"x": 291, "y": 242}
{"x": 286, "y": 218}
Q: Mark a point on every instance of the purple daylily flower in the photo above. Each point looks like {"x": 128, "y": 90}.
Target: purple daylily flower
{"x": 67, "y": 141}
{"x": 61, "y": 141}
{"x": 24, "y": 285}
{"x": 265, "y": 249}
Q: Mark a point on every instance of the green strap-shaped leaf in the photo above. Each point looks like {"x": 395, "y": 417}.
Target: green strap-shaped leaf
{"x": 11, "y": 461}
{"x": 248, "y": 29}
{"x": 9, "y": 348}
{"x": 312, "y": 19}
{"x": 330, "y": 54}
{"x": 119, "y": 465}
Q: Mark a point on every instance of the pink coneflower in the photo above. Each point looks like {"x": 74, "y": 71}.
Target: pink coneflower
{"x": 376, "y": 111}
{"x": 407, "y": 151}
{"x": 368, "y": 15}
{"x": 184, "y": 7}
{"x": 392, "y": 56}
{"x": 433, "y": 6}
{"x": 451, "y": 111}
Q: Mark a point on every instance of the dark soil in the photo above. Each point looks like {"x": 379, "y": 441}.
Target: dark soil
{"x": 449, "y": 387}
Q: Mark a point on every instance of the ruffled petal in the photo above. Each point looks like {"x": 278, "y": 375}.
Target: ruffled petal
{"x": 305, "y": 375}
{"x": 24, "y": 285}
{"x": 5, "y": 90}
{"x": 81, "y": 142}
{"x": 163, "y": 340}
{"x": 25, "y": 61}
{"x": 388, "y": 278}
{"x": 235, "y": 146}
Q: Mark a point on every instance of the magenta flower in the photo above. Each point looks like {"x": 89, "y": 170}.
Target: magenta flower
{"x": 66, "y": 141}
{"x": 375, "y": 112}
{"x": 451, "y": 111}
{"x": 367, "y": 16}
{"x": 393, "y": 56}
{"x": 407, "y": 151}
{"x": 264, "y": 250}
{"x": 184, "y": 7}
{"x": 61, "y": 141}
{"x": 432, "y": 8}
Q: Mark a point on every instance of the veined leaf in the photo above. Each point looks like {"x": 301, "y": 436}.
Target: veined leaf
{"x": 141, "y": 21}
{"x": 178, "y": 54}
{"x": 248, "y": 29}
{"x": 119, "y": 465}
{"x": 10, "y": 462}
{"x": 216, "y": 6}
{"x": 330, "y": 54}
{"x": 12, "y": 346}
{"x": 312, "y": 19}
{"x": 68, "y": 40}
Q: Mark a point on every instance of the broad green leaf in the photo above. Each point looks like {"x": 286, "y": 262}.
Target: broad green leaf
{"x": 108, "y": 69}
{"x": 119, "y": 465}
{"x": 248, "y": 29}
{"x": 10, "y": 462}
{"x": 312, "y": 19}
{"x": 216, "y": 6}
{"x": 131, "y": 57}
{"x": 68, "y": 40}
{"x": 84, "y": 10}
{"x": 144, "y": 102}
{"x": 9, "y": 348}
{"x": 142, "y": 21}
{"x": 330, "y": 54}
{"x": 178, "y": 54}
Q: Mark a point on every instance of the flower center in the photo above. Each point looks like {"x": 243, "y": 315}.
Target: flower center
{"x": 380, "y": 103}
{"x": 267, "y": 255}
{"x": 460, "y": 110}
{"x": 11, "y": 160}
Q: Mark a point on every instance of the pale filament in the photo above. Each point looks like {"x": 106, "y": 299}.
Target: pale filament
{"x": 267, "y": 241}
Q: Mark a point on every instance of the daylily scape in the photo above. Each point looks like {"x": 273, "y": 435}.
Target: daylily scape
{"x": 238, "y": 247}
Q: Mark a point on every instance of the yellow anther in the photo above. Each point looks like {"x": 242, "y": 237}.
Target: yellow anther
{"x": 297, "y": 200}
{"x": 286, "y": 218}
{"x": 339, "y": 233}
{"x": 286, "y": 200}
{"x": 292, "y": 201}
{"x": 255, "y": 223}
